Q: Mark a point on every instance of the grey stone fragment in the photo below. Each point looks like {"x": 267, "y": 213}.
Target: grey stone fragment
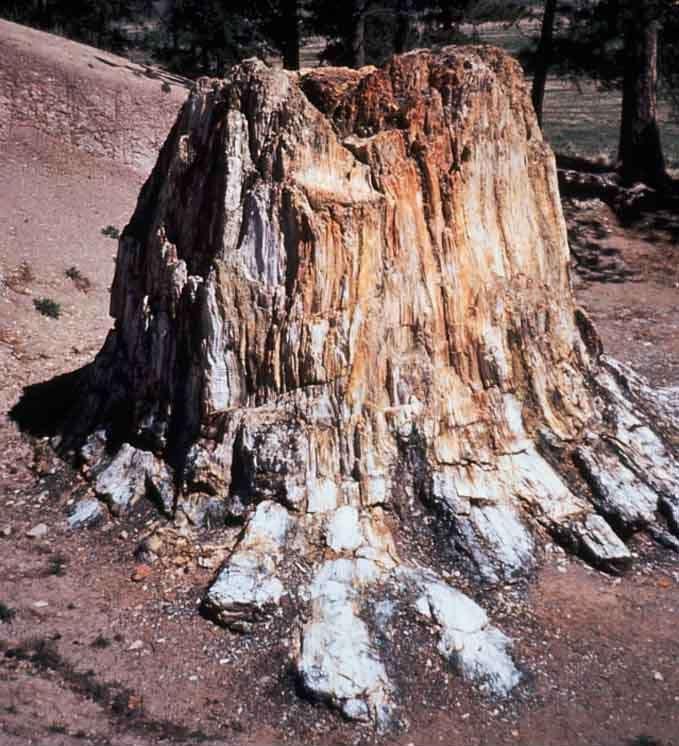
{"x": 38, "y": 532}
{"x": 337, "y": 661}
{"x": 130, "y": 475}
{"x": 467, "y": 639}
{"x": 202, "y": 511}
{"x": 94, "y": 450}
{"x": 664, "y": 538}
{"x": 247, "y": 589}
{"x": 600, "y": 545}
{"x": 669, "y": 507}
{"x": 497, "y": 541}
{"x": 86, "y": 513}
{"x": 619, "y": 494}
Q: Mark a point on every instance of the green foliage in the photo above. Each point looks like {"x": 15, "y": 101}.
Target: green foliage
{"x": 110, "y": 231}
{"x": 92, "y": 21}
{"x": 79, "y": 280}
{"x": 203, "y": 37}
{"x": 399, "y": 25}
{"x": 589, "y": 38}
{"x": 48, "y": 307}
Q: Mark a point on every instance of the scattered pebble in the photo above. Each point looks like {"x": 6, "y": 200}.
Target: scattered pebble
{"x": 140, "y": 572}
{"x": 38, "y": 532}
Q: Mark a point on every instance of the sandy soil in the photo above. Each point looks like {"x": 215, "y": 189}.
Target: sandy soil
{"x": 90, "y": 656}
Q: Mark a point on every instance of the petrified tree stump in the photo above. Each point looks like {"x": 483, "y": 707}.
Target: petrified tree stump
{"x": 343, "y": 317}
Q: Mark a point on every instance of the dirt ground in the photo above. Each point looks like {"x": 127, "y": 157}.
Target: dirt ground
{"x": 89, "y": 655}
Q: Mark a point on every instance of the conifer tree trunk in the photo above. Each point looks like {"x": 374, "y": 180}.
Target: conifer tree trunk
{"x": 357, "y": 39}
{"x": 403, "y": 26}
{"x": 291, "y": 38}
{"x": 543, "y": 58}
{"x": 640, "y": 153}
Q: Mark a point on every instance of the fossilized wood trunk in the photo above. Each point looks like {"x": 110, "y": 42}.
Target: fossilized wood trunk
{"x": 344, "y": 317}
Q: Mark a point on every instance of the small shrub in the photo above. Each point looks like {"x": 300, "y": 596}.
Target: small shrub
{"x": 24, "y": 273}
{"x": 166, "y": 87}
{"x": 110, "y": 232}
{"x": 101, "y": 642}
{"x": 20, "y": 277}
{"x": 48, "y": 307}
{"x": 57, "y": 728}
{"x": 57, "y": 565}
{"x": 79, "y": 280}
{"x": 7, "y": 613}
{"x": 44, "y": 655}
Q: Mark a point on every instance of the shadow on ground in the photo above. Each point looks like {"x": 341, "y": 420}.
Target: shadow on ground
{"x": 43, "y": 407}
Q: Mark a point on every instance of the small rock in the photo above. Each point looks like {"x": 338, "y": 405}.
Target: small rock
{"x": 154, "y": 543}
{"x": 86, "y": 513}
{"x": 6, "y": 531}
{"x": 38, "y": 532}
{"x": 209, "y": 563}
{"x": 658, "y": 676}
{"x": 136, "y": 645}
{"x": 193, "y": 678}
{"x": 140, "y": 572}
{"x": 40, "y": 604}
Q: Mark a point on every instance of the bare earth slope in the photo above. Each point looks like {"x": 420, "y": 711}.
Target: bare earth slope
{"x": 84, "y": 97}
{"x": 91, "y": 656}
